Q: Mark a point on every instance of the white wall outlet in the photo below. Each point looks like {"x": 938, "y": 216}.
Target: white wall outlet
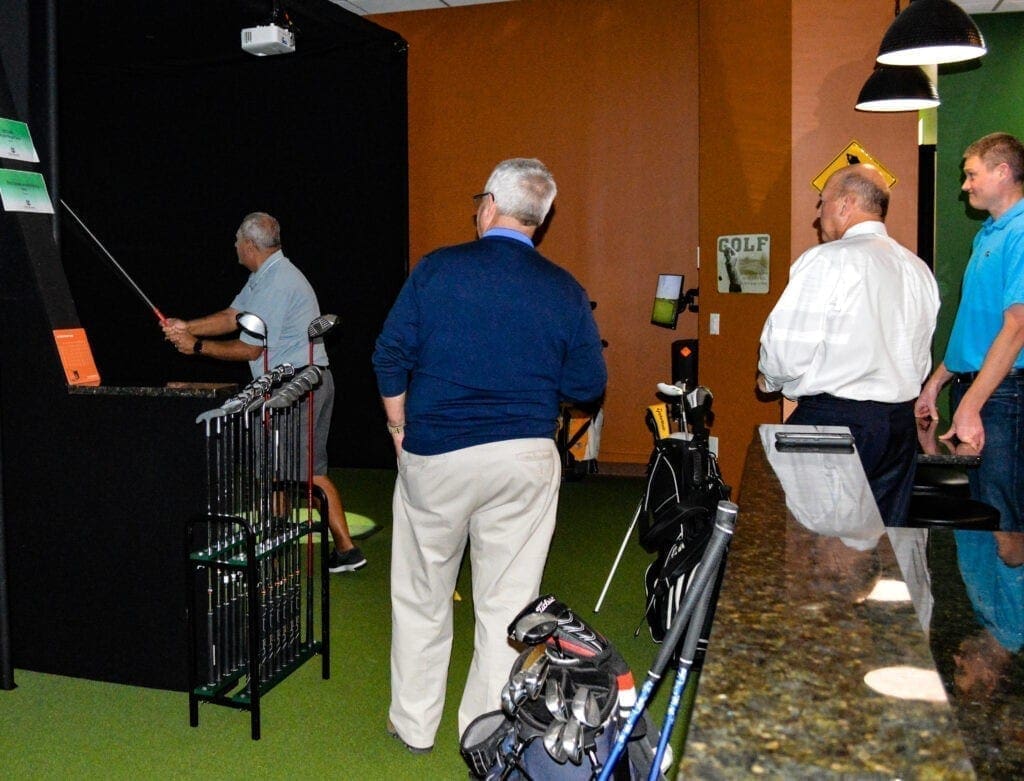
{"x": 714, "y": 324}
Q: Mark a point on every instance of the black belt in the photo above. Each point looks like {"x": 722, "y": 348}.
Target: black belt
{"x": 972, "y": 376}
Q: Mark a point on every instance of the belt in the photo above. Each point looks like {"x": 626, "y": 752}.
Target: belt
{"x": 972, "y": 376}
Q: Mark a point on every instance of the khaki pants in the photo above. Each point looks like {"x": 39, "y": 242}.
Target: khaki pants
{"x": 502, "y": 498}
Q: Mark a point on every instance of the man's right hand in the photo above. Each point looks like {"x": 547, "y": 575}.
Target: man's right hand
{"x": 173, "y": 326}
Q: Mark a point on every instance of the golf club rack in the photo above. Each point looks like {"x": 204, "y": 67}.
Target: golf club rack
{"x": 245, "y": 556}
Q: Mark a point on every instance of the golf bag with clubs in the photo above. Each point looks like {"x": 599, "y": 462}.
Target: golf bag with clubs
{"x": 566, "y": 696}
{"x": 684, "y": 486}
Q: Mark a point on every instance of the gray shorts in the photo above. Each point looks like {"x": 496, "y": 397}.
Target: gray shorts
{"x": 323, "y": 407}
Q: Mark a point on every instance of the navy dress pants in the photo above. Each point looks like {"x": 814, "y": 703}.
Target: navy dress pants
{"x": 886, "y": 439}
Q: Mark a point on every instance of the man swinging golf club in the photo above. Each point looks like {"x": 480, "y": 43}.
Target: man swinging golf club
{"x": 283, "y": 299}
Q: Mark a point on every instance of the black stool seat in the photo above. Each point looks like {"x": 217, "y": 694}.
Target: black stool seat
{"x": 941, "y": 479}
{"x": 938, "y": 511}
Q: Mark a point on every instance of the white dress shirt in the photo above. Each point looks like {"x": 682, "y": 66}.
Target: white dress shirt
{"x": 855, "y": 321}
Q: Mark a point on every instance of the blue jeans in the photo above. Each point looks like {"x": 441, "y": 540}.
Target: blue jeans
{"x": 886, "y": 440}
{"x": 999, "y": 480}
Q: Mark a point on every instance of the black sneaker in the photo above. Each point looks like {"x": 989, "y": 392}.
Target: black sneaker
{"x": 412, "y": 749}
{"x": 349, "y": 561}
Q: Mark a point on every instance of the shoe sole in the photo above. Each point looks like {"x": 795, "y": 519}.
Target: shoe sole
{"x": 347, "y": 567}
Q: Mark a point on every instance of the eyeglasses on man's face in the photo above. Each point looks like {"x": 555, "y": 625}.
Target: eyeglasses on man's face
{"x": 478, "y": 198}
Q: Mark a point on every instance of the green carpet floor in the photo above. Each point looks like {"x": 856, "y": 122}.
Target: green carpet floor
{"x": 52, "y": 727}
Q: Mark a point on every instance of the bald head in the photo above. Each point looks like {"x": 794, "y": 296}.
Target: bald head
{"x": 854, "y": 194}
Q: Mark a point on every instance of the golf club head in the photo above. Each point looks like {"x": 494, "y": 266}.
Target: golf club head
{"x": 533, "y": 628}
{"x": 676, "y": 389}
{"x": 553, "y": 741}
{"x": 233, "y": 406}
{"x": 572, "y": 740}
{"x": 554, "y": 700}
{"x": 321, "y": 325}
{"x": 206, "y": 417}
{"x": 314, "y": 373}
{"x": 585, "y": 708}
{"x": 536, "y": 675}
{"x": 282, "y": 399}
{"x": 252, "y": 325}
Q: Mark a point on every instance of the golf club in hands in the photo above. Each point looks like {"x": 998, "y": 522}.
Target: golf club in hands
{"x": 118, "y": 266}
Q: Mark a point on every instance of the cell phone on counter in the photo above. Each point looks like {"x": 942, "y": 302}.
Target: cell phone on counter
{"x": 814, "y": 441}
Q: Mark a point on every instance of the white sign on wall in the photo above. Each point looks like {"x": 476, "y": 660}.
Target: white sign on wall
{"x": 743, "y": 263}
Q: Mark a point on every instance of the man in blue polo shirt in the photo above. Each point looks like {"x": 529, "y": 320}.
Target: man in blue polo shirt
{"x": 985, "y": 355}
{"x": 282, "y": 297}
{"x": 483, "y": 342}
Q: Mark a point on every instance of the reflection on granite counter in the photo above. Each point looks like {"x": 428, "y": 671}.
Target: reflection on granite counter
{"x": 782, "y": 692}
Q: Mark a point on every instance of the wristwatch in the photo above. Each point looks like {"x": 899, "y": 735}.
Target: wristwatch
{"x": 197, "y": 347}
{"x": 393, "y": 430}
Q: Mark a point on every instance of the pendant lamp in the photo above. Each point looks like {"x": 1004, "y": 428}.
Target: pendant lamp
{"x": 897, "y": 88}
{"x": 931, "y": 31}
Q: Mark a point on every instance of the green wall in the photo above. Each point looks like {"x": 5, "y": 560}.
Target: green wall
{"x": 977, "y": 98}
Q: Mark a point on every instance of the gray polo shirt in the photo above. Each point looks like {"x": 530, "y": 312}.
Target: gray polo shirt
{"x": 282, "y": 296}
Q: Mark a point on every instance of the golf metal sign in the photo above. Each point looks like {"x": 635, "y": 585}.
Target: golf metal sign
{"x": 743, "y": 263}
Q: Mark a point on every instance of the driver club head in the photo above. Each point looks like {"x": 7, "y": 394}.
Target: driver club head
{"x": 535, "y": 628}
{"x": 321, "y": 325}
{"x": 252, "y": 325}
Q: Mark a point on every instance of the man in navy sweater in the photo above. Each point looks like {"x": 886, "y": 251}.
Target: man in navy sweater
{"x": 483, "y": 342}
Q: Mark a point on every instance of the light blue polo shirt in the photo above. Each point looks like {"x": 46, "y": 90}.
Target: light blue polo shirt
{"x": 282, "y": 296}
{"x": 993, "y": 282}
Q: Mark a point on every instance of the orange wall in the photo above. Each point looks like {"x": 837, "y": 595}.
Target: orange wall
{"x": 605, "y": 93}
{"x": 745, "y": 164}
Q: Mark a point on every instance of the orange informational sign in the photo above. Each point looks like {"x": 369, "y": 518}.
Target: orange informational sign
{"x": 76, "y": 356}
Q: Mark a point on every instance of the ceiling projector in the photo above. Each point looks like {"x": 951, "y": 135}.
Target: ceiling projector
{"x": 267, "y": 39}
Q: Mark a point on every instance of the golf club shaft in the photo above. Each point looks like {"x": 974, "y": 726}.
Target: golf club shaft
{"x": 118, "y": 266}
{"x": 694, "y": 635}
{"x": 725, "y": 522}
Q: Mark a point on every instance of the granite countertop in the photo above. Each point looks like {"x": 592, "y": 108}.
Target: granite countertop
{"x": 782, "y": 693}
{"x": 192, "y": 390}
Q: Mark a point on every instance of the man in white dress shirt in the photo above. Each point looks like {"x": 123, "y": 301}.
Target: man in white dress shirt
{"x": 850, "y": 337}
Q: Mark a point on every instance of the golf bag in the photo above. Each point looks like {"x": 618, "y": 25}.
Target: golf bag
{"x": 566, "y": 697}
{"x": 676, "y": 517}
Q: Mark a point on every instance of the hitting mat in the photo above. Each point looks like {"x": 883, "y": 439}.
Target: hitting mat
{"x": 359, "y": 526}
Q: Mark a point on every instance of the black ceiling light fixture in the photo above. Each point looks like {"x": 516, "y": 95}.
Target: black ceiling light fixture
{"x": 931, "y": 32}
{"x": 898, "y": 88}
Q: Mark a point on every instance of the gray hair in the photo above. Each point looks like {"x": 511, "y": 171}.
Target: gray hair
{"x": 873, "y": 198}
{"x": 522, "y": 188}
{"x": 261, "y": 229}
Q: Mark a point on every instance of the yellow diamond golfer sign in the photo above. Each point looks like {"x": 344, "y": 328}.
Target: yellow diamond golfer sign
{"x": 853, "y": 154}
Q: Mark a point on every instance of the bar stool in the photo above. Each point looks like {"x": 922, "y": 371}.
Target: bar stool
{"x": 937, "y": 511}
{"x": 944, "y": 479}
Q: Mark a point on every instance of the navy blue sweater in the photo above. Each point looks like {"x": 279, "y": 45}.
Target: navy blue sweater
{"x": 486, "y": 338}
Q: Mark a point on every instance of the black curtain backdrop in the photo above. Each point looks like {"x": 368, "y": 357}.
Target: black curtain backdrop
{"x": 170, "y": 134}
{"x": 162, "y": 134}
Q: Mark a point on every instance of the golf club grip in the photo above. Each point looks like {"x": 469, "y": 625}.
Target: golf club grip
{"x": 725, "y": 524}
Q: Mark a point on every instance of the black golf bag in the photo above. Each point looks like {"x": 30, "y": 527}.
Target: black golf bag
{"x": 567, "y": 695}
{"x": 684, "y": 486}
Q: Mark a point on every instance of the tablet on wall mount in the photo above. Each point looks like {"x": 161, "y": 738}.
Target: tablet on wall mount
{"x": 667, "y": 300}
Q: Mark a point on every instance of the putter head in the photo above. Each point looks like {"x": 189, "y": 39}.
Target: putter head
{"x": 321, "y": 326}
{"x": 252, "y": 325}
